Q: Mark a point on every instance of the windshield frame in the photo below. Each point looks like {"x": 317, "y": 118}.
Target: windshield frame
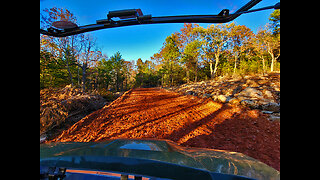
{"x": 223, "y": 17}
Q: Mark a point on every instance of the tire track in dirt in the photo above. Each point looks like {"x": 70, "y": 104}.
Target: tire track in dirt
{"x": 187, "y": 120}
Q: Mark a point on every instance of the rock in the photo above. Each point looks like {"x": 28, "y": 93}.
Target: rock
{"x": 237, "y": 90}
{"x": 203, "y": 83}
{"x": 274, "y": 107}
{"x": 251, "y": 93}
{"x": 221, "y": 98}
{"x": 205, "y": 95}
{"x": 191, "y": 93}
{"x": 267, "y": 112}
{"x": 235, "y": 101}
{"x": 43, "y": 138}
{"x": 252, "y": 83}
{"x": 250, "y": 103}
{"x": 275, "y": 117}
{"x": 268, "y": 94}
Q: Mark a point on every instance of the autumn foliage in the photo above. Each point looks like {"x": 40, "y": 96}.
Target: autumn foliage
{"x": 195, "y": 53}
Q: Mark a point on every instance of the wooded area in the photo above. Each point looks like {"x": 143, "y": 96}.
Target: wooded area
{"x": 193, "y": 54}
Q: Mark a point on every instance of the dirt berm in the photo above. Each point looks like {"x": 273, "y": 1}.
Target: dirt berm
{"x": 62, "y": 108}
{"x": 186, "y": 120}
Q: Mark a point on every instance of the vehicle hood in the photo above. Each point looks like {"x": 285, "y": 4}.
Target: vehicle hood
{"x": 215, "y": 161}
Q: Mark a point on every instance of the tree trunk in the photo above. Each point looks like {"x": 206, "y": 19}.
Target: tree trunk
{"x": 84, "y": 77}
{"x": 235, "y": 65}
{"x": 211, "y": 70}
{"x": 216, "y": 65}
{"x": 273, "y": 61}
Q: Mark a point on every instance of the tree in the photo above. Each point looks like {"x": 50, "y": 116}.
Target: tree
{"x": 114, "y": 73}
{"x": 274, "y": 40}
{"x": 260, "y": 48}
{"x": 267, "y": 42}
{"x": 75, "y": 54}
{"x": 104, "y": 69}
{"x": 216, "y": 39}
{"x": 240, "y": 38}
{"x": 190, "y": 50}
{"x": 118, "y": 73}
{"x": 170, "y": 54}
{"x": 88, "y": 57}
{"x": 190, "y": 58}
{"x": 275, "y": 22}
{"x": 146, "y": 75}
{"x": 192, "y": 54}
{"x": 62, "y": 48}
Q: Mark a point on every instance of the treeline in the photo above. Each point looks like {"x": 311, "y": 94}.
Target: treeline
{"x": 78, "y": 61}
{"x": 197, "y": 53}
{"x": 193, "y": 54}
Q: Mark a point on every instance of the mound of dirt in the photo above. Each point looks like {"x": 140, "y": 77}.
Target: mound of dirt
{"x": 60, "y": 108}
{"x": 186, "y": 120}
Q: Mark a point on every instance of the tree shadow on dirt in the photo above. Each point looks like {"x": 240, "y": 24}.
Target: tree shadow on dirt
{"x": 189, "y": 128}
{"x": 246, "y": 133}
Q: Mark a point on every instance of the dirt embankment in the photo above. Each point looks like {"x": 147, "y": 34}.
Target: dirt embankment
{"x": 60, "y": 109}
{"x": 187, "y": 120}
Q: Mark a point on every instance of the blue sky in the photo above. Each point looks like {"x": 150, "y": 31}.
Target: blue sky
{"x": 143, "y": 41}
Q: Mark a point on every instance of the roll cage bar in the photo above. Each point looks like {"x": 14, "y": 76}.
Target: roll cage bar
{"x": 135, "y": 17}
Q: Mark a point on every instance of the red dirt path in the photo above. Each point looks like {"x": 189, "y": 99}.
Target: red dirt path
{"x": 186, "y": 120}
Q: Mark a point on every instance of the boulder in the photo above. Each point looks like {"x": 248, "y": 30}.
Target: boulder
{"x": 221, "y": 98}
{"x": 250, "y": 103}
{"x": 235, "y": 101}
{"x": 273, "y": 107}
{"x": 251, "y": 93}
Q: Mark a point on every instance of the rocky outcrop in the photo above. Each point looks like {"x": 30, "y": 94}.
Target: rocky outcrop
{"x": 256, "y": 92}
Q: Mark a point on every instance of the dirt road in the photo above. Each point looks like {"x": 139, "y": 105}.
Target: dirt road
{"x": 187, "y": 120}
